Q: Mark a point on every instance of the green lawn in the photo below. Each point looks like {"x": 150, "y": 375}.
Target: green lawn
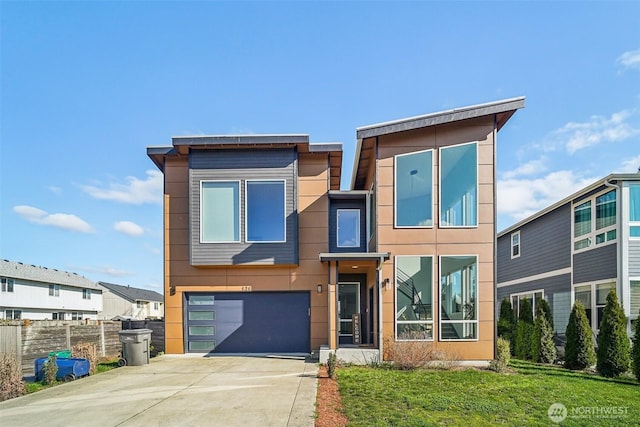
{"x": 388, "y": 397}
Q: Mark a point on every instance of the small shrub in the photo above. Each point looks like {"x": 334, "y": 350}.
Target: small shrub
{"x": 50, "y": 370}
{"x": 635, "y": 352}
{"x": 546, "y": 309}
{"x": 613, "y": 342}
{"x": 506, "y": 322}
{"x": 332, "y": 363}
{"x": 503, "y": 356}
{"x": 524, "y": 330}
{"x": 543, "y": 348}
{"x": 11, "y": 384}
{"x": 87, "y": 351}
{"x": 579, "y": 352}
{"x": 409, "y": 355}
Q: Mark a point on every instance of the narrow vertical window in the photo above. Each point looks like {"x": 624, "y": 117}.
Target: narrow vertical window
{"x": 606, "y": 210}
{"x": 634, "y": 210}
{"x": 414, "y": 189}
{"x": 459, "y": 186}
{"x": 265, "y": 211}
{"x": 414, "y": 297}
{"x": 348, "y": 232}
{"x": 458, "y": 298}
{"x": 515, "y": 245}
{"x": 219, "y": 211}
{"x": 582, "y": 225}
{"x": 86, "y": 293}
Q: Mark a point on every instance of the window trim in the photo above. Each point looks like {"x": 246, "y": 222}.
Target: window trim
{"x": 519, "y": 244}
{"x": 591, "y": 236}
{"x": 238, "y": 182}
{"x": 54, "y": 290}
{"x": 440, "y": 222}
{"x": 477, "y": 304}
{"x": 246, "y": 210}
{"x": 86, "y": 293}
{"x": 357, "y": 245}
{"x": 519, "y": 294}
{"x": 594, "y": 303}
{"x": 8, "y": 284}
{"x": 395, "y": 297}
{"x": 633, "y": 224}
{"x": 395, "y": 190}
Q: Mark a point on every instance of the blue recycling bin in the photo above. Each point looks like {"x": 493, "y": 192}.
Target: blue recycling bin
{"x": 68, "y": 368}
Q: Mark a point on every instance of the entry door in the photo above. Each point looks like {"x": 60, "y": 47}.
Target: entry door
{"x": 348, "y": 305}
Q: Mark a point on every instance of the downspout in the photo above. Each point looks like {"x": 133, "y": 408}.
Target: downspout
{"x": 495, "y": 234}
{"x": 621, "y": 291}
{"x": 380, "y": 340}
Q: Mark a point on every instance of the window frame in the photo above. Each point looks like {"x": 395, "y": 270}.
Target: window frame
{"x": 54, "y": 290}
{"x": 13, "y": 312}
{"x": 395, "y": 189}
{"x": 7, "y": 285}
{"x": 516, "y": 307}
{"x": 359, "y": 213}
{"x": 591, "y": 237}
{"x": 238, "y": 212}
{"x": 476, "y": 305}
{"x": 633, "y": 224}
{"x": 247, "y": 207}
{"x": 518, "y": 245}
{"x": 440, "y": 186}
{"x": 593, "y": 320}
{"x": 86, "y": 293}
{"x": 433, "y": 295}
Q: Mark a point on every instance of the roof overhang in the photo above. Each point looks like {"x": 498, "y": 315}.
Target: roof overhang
{"x": 609, "y": 179}
{"x": 354, "y": 256}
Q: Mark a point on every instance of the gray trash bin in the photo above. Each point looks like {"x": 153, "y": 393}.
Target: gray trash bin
{"x": 135, "y": 346}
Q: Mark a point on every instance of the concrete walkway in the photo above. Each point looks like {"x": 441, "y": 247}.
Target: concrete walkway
{"x": 178, "y": 391}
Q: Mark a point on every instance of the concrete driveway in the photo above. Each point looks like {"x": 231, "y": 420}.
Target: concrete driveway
{"x": 178, "y": 391}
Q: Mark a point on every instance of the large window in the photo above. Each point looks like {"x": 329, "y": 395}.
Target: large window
{"x": 515, "y": 244}
{"x": 265, "y": 211}
{"x": 592, "y": 227}
{"x": 594, "y": 299}
{"x": 458, "y": 298}
{"x": 634, "y": 210}
{"x": 348, "y": 232}
{"x": 7, "y": 284}
{"x": 219, "y": 211}
{"x": 414, "y": 297}
{"x": 459, "y": 186}
{"x": 12, "y": 314}
{"x": 414, "y": 189}
{"x": 534, "y": 298}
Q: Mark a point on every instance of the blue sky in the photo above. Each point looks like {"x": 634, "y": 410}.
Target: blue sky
{"x": 87, "y": 86}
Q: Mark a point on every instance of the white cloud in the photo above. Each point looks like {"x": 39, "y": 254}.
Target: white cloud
{"x": 520, "y": 198}
{"x": 129, "y": 228}
{"x": 533, "y": 167}
{"x": 631, "y": 165}
{"x": 54, "y": 189}
{"x": 576, "y": 136}
{"x": 135, "y": 191}
{"x": 59, "y": 220}
{"x": 630, "y": 59}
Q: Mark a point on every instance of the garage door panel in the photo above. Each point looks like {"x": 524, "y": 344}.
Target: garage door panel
{"x": 250, "y": 323}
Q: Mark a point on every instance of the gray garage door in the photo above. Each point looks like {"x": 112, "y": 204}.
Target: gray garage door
{"x": 252, "y": 322}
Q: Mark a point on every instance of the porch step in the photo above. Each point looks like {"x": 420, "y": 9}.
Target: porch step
{"x": 356, "y": 355}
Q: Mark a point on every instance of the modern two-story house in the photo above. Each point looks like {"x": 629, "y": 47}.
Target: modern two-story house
{"x": 126, "y": 302}
{"x": 577, "y": 249}
{"x": 38, "y": 293}
{"x": 265, "y": 253}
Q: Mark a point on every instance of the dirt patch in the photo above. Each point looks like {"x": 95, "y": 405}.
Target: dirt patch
{"x": 330, "y": 412}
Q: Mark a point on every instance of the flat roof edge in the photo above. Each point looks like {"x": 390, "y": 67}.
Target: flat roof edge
{"x": 440, "y": 117}
{"x": 240, "y": 139}
{"x": 353, "y": 256}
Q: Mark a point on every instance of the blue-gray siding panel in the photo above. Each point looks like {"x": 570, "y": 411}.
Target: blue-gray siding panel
{"x": 557, "y": 292}
{"x": 595, "y": 264}
{"x": 241, "y": 165}
{"x": 634, "y": 258}
{"x": 333, "y": 224}
{"x": 545, "y": 245}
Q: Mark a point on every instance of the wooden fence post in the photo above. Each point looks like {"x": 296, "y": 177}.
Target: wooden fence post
{"x": 68, "y": 333}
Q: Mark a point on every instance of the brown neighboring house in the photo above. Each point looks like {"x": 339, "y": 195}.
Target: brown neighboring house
{"x": 265, "y": 254}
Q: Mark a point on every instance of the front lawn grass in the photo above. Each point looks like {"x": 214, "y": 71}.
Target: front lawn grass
{"x": 389, "y": 397}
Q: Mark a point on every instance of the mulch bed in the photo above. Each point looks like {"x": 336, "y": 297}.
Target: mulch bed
{"x": 330, "y": 412}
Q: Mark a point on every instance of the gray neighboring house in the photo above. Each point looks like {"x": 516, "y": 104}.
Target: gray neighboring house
{"x": 576, "y": 249}
{"x": 125, "y": 302}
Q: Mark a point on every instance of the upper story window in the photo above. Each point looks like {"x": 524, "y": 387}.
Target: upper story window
{"x": 515, "y": 244}
{"x": 459, "y": 186}
{"x": 634, "y": 210}
{"x": 156, "y": 305}
{"x": 414, "y": 189}
{"x": 7, "y": 284}
{"x": 348, "y": 232}
{"x": 86, "y": 294}
{"x": 54, "y": 290}
{"x": 265, "y": 211}
{"x": 140, "y": 304}
{"x": 220, "y": 211}
{"x": 591, "y": 226}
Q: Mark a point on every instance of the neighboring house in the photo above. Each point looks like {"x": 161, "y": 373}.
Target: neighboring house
{"x": 39, "y": 293}
{"x": 264, "y": 253}
{"x": 577, "y": 249}
{"x": 125, "y": 302}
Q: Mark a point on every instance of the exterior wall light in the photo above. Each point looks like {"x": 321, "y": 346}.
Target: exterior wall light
{"x": 319, "y": 289}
